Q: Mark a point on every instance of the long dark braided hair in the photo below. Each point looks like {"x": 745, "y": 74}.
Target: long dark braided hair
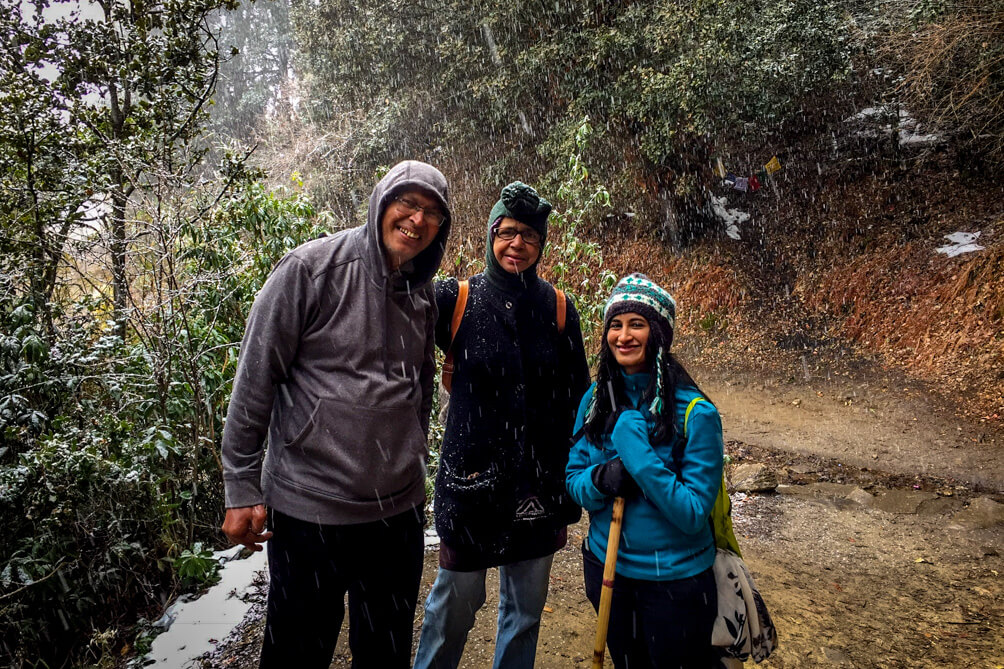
{"x": 666, "y": 374}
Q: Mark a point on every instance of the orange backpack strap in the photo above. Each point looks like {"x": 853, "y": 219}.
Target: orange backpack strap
{"x": 458, "y": 315}
{"x": 458, "y": 309}
{"x": 559, "y": 297}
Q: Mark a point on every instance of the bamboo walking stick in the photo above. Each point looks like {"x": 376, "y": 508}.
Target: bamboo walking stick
{"x": 607, "y": 592}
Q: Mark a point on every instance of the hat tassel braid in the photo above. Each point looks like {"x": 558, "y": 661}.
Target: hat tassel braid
{"x": 591, "y": 407}
{"x": 656, "y": 406}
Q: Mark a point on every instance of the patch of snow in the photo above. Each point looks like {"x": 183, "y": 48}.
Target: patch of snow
{"x": 867, "y": 113}
{"x": 961, "y": 242}
{"x": 431, "y": 538}
{"x": 730, "y": 217}
{"x": 909, "y": 138}
{"x": 195, "y": 625}
{"x": 907, "y": 127}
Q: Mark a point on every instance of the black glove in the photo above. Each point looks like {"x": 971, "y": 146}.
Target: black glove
{"x": 611, "y": 478}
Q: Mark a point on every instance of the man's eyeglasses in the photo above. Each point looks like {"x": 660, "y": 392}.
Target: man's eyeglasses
{"x": 529, "y": 235}
{"x": 430, "y": 216}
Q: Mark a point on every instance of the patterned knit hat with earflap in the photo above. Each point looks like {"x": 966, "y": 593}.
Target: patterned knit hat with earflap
{"x": 635, "y": 293}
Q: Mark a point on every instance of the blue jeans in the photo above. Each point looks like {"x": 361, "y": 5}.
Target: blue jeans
{"x": 456, "y": 597}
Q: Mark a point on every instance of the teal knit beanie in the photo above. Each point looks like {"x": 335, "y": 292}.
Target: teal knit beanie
{"x": 524, "y": 204}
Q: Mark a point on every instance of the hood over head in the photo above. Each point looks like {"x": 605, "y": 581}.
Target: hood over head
{"x": 408, "y": 175}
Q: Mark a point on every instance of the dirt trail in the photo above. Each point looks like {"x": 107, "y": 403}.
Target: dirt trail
{"x": 881, "y": 550}
{"x": 887, "y": 423}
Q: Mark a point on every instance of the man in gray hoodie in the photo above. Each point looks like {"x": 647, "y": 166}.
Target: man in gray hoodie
{"x": 336, "y": 370}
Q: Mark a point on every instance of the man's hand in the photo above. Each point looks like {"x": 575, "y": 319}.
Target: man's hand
{"x": 246, "y": 525}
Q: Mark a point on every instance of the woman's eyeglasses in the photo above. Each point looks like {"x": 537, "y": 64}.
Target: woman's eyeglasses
{"x": 430, "y": 216}
{"x": 530, "y": 236}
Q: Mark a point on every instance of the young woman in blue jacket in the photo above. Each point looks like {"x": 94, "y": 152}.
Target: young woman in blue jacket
{"x": 634, "y": 444}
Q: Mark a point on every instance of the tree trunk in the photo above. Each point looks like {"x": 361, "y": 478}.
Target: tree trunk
{"x": 117, "y": 248}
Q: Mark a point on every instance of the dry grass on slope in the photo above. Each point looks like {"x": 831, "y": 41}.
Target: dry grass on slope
{"x": 938, "y": 318}
{"x": 864, "y": 273}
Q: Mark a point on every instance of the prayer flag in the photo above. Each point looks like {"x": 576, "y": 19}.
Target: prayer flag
{"x": 773, "y": 165}
{"x": 730, "y": 178}
{"x": 719, "y": 168}
{"x": 742, "y": 183}
{"x": 754, "y": 183}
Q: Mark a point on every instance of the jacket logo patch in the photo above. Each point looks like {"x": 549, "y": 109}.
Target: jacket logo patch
{"x": 529, "y": 508}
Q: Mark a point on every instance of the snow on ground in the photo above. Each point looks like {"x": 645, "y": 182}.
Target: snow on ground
{"x": 961, "y": 242}
{"x": 195, "y": 625}
{"x": 730, "y": 217}
{"x": 908, "y": 127}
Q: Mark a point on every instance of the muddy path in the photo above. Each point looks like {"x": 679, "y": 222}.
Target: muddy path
{"x": 880, "y": 420}
{"x": 883, "y": 547}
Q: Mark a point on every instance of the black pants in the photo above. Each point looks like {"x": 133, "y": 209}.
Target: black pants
{"x": 657, "y": 624}
{"x": 312, "y": 566}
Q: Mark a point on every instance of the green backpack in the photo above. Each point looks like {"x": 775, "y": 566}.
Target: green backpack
{"x": 721, "y": 514}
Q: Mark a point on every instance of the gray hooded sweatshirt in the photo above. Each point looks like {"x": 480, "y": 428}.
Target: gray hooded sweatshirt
{"x": 336, "y": 369}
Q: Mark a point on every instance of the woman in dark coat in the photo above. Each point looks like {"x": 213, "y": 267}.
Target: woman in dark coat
{"x": 500, "y": 498}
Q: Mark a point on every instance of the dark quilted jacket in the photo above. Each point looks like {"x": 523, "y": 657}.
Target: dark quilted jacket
{"x": 500, "y": 492}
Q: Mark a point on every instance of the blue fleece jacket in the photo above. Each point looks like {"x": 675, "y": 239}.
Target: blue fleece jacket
{"x": 666, "y": 533}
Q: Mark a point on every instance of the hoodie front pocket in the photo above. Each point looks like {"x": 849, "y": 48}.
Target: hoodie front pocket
{"x": 354, "y": 452}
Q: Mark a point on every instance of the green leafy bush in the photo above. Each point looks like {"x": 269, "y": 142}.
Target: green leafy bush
{"x": 88, "y": 524}
{"x": 110, "y": 483}
{"x": 576, "y": 264}
{"x": 196, "y": 566}
{"x": 666, "y": 82}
